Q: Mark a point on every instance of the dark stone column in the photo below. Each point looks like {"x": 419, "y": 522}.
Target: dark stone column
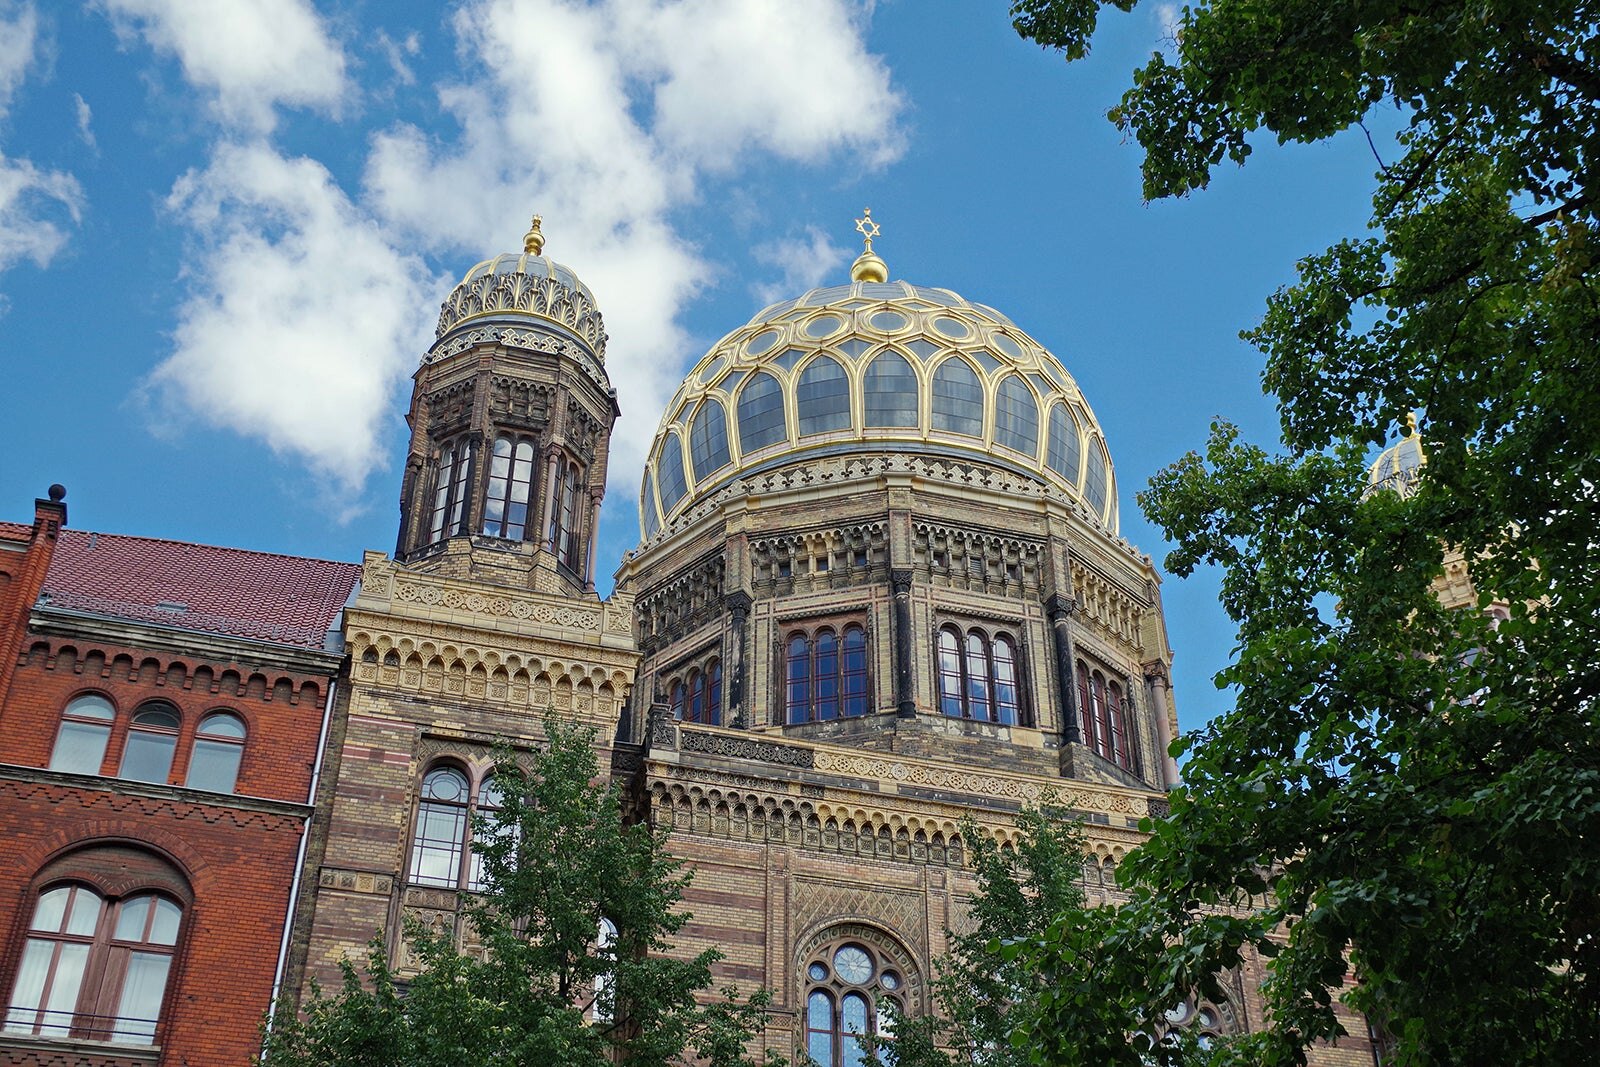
{"x": 1060, "y": 608}
{"x": 905, "y": 704}
{"x": 738, "y": 604}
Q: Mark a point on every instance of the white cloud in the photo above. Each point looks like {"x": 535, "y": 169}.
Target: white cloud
{"x": 19, "y": 31}
{"x": 252, "y": 54}
{"x": 803, "y": 261}
{"x": 301, "y": 319}
{"x": 605, "y": 117}
{"x": 34, "y": 203}
{"x": 85, "y": 117}
{"x": 1169, "y": 19}
{"x": 397, "y": 52}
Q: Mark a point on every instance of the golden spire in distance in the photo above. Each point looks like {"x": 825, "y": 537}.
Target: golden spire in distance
{"x": 533, "y": 240}
{"x": 868, "y": 267}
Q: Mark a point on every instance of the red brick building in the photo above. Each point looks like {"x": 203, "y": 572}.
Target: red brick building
{"x": 161, "y": 713}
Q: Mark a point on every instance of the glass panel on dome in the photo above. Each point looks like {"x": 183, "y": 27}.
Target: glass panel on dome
{"x": 1016, "y": 417}
{"x": 822, "y": 399}
{"x": 1065, "y": 454}
{"x": 1007, "y": 345}
{"x": 1095, "y": 484}
{"x": 712, "y": 368}
{"x": 993, "y": 314}
{"x": 925, "y": 349}
{"x": 888, "y": 321}
{"x": 853, "y": 346}
{"x": 1042, "y": 384}
{"x": 942, "y": 297}
{"x": 818, "y": 297}
{"x": 890, "y": 385}
{"x": 789, "y": 358}
{"x": 727, "y": 384}
{"x": 957, "y": 399}
{"x": 990, "y": 364}
{"x": 823, "y": 326}
{"x": 708, "y": 439}
{"x": 669, "y": 473}
{"x": 761, "y": 417}
{"x": 953, "y": 328}
{"x": 761, "y": 342}
{"x": 883, "y": 290}
{"x": 647, "y": 508}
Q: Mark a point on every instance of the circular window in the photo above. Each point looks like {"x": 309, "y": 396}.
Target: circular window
{"x": 888, "y": 321}
{"x": 853, "y": 964}
{"x": 889, "y": 980}
{"x": 1008, "y": 346}
{"x": 818, "y": 972}
{"x": 823, "y": 326}
{"x": 761, "y": 342}
{"x": 713, "y": 368}
{"x": 952, "y": 328}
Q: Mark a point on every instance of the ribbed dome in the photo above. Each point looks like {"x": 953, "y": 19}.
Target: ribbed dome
{"x": 876, "y": 366}
{"x": 516, "y": 284}
{"x": 1399, "y": 466}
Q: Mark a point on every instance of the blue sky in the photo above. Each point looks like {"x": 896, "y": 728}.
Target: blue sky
{"x": 226, "y": 227}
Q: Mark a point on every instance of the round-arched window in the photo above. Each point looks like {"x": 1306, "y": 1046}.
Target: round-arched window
{"x": 849, "y": 987}
{"x": 218, "y": 747}
{"x": 152, "y": 738}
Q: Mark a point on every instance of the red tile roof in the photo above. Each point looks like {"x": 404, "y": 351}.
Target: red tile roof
{"x": 284, "y": 599}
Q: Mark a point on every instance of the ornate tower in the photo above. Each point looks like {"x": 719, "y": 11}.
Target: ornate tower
{"x": 510, "y": 422}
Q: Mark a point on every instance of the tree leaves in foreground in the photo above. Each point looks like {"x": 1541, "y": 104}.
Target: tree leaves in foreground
{"x": 557, "y": 858}
{"x": 1413, "y": 790}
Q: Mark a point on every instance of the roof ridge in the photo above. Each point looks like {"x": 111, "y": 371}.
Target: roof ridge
{"x": 75, "y": 531}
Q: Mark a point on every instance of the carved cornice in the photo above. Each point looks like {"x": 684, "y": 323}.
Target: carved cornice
{"x": 529, "y": 340}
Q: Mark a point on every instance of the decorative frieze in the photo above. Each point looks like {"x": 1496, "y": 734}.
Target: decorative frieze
{"x": 745, "y": 748}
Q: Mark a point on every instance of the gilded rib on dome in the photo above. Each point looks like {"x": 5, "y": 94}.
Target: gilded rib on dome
{"x": 876, "y": 367}
{"x": 526, "y": 283}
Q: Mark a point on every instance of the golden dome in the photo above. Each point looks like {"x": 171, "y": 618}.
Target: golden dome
{"x": 876, "y": 367}
{"x": 1399, "y": 467}
{"x": 526, "y": 284}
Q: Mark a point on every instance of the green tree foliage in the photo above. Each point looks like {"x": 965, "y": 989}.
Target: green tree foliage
{"x": 557, "y": 858}
{"x": 1079, "y": 1008}
{"x": 1411, "y": 790}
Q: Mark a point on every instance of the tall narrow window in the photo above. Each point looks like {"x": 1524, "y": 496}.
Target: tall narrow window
{"x": 979, "y": 676}
{"x": 1065, "y": 453}
{"x": 1016, "y": 416}
{"x": 822, "y": 398}
{"x": 714, "y": 694}
{"x": 708, "y": 439}
{"x": 827, "y": 674}
{"x": 54, "y": 959}
{"x": 605, "y": 983}
{"x": 568, "y": 518}
{"x": 679, "y": 700}
{"x": 152, "y": 737}
{"x": 669, "y": 473}
{"x": 1095, "y": 486}
{"x": 439, "y": 841}
{"x": 218, "y": 747}
{"x": 890, "y": 391}
{"x": 957, "y": 399}
{"x": 505, "y": 502}
{"x": 81, "y": 740}
{"x": 762, "y": 421}
{"x": 1116, "y": 719}
{"x": 490, "y": 800}
{"x": 1085, "y": 713}
{"x": 697, "y": 697}
{"x": 141, "y": 947}
{"x": 450, "y": 491}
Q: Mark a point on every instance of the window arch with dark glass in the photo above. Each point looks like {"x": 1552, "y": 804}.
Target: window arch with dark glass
{"x": 669, "y": 473}
{"x": 957, "y": 398}
{"x": 81, "y": 739}
{"x": 441, "y": 840}
{"x": 980, "y": 676}
{"x": 152, "y": 739}
{"x": 708, "y": 439}
{"x": 890, "y": 392}
{"x": 822, "y": 397}
{"x": 510, "y": 489}
{"x": 566, "y": 524}
{"x": 850, "y": 988}
{"x": 825, "y": 673}
{"x": 696, "y": 696}
{"x": 1016, "y": 416}
{"x": 94, "y": 965}
{"x": 447, "y": 518}
{"x": 218, "y": 749}
{"x": 762, "y": 420}
{"x": 1105, "y": 716}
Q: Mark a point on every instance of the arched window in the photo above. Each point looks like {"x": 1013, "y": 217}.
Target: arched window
{"x": 822, "y": 399}
{"x": 849, "y": 989}
{"x": 152, "y": 737}
{"x": 708, "y": 439}
{"x": 696, "y": 696}
{"x": 81, "y": 740}
{"x": 1094, "y": 483}
{"x": 1105, "y": 717}
{"x": 94, "y": 967}
{"x": 439, "y": 841}
{"x": 218, "y": 748}
{"x": 669, "y": 473}
{"x": 762, "y": 421}
{"x": 567, "y": 522}
{"x": 505, "y": 502}
{"x": 714, "y": 693}
{"x": 679, "y": 700}
{"x": 890, "y": 388}
{"x": 490, "y": 800}
{"x": 957, "y": 399}
{"x": 1065, "y": 454}
{"x": 450, "y": 490}
{"x": 979, "y": 676}
{"x": 1016, "y": 416}
{"x": 826, "y": 674}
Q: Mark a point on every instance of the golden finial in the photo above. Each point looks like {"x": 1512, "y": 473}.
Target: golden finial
{"x": 533, "y": 240}
{"x": 868, "y": 267}
{"x": 1411, "y": 425}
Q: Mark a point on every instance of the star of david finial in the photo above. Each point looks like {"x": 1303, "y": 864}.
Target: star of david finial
{"x": 867, "y": 228}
